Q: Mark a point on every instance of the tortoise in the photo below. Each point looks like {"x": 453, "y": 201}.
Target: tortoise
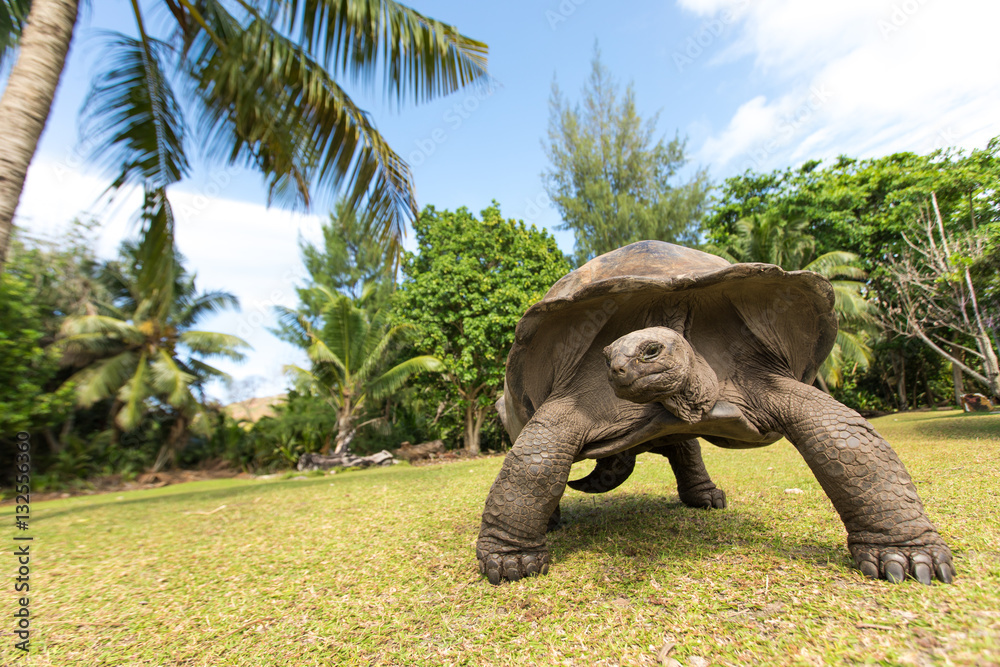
{"x": 653, "y": 345}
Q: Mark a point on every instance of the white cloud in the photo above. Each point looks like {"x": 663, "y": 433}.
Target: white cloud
{"x": 240, "y": 247}
{"x": 899, "y": 75}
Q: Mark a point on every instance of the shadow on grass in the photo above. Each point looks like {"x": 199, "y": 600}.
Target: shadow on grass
{"x": 656, "y": 528}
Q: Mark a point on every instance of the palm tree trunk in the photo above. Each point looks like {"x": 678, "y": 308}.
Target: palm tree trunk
{"x": 26, "y": 102}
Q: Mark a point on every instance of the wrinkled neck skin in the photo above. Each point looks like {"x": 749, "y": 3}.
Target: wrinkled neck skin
{"x": 657, "y": 364}
{"x": 698, "y": 394}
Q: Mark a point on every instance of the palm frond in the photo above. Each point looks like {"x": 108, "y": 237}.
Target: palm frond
{"x": 156, "y": 265}
{"x": 80, "y": 330}
{"x": 212, "y": 344}
{"x": 13, "y": 15}
{"x": 851, "y": 307}
{"x": 320, "y": 354}
{"x": 103, "y": 378}
{"x": 854, "y": 348}
{"x": 267, "y": 103}
{"x": 377, "y": 348}
{"x": 206, "y": 303}
{"x": 422, "y": 57}
{"x": 837, "y": 264}
{"x": 294, "y": 324}
{"x": 205, "y": 371}
{"x": 169, "y": 380}
{"x": 133, "y": 395}
{"x": 82, "y": 348}
{"x": 394, "y": 378}
{"x": 344, "y": 325}
{"x": 132, "y": 117}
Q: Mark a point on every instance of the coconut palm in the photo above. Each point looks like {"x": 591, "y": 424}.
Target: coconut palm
{"x": 350, "y": 348}
{"x": 141, "y": 348}
{"x": 261, "y": 77}
{"x": 770, "y": 239}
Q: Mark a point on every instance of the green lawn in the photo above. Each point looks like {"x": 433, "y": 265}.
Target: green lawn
{"x": 377, "y": 567}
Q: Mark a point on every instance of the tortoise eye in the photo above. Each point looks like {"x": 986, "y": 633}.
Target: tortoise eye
{"x": 651, "y": 351}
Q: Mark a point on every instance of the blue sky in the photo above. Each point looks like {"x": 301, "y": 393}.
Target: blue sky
{"x": 758, "y": 84}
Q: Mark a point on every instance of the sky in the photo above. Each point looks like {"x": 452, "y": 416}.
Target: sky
{"x": 751, "y": 84}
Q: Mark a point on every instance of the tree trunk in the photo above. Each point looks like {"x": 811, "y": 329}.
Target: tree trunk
{"x": 956, "y": 375}
{"x": 25, "y": 105}
{"x": 473, "y": 424}
{"x": 175, "y": 443}
{"x": 346, "y": 429}
{"x": 899, "y": 368}
{"x": 931, "y": 401}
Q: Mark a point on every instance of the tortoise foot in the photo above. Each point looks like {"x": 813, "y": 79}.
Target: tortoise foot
{"x": 501, "y": 567}
{"x": 925, "y": 559}
{"x": 714, "y": 498}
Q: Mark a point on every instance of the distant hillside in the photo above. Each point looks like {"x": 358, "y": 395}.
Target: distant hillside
{"x": 254, "y": 408}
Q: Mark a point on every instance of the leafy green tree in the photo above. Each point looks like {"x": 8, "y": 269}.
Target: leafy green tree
{"x": 350, "y": 350}
{"x": 465, "y": 290}
{"x": 261, "y": 78}
{"x": 770, "y": 239}
{"x": 611, "y": 180}
{"x": 45, "y": 281}
{"x": 26, "y": 401}
{"x": 864, "y": 207}
{"x": 141, "y": 349}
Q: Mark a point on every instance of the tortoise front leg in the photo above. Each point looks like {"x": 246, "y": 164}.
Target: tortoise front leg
{"x": 524, "y": 496}
{"x": 695, "y": 487}
{"x": 888, "y": 533}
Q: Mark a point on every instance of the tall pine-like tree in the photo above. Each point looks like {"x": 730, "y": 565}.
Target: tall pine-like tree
{"x": 612, "y": 181}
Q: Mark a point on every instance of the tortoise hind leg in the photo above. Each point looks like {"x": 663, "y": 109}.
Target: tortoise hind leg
{"x": 694, "y": 485}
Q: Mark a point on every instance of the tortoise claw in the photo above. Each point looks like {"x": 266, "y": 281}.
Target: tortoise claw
{"x": 499, "y": 568}
{"x": 894, "y": 563}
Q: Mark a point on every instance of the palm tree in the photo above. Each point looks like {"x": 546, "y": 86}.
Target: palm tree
{"x": 141, "y": 349}
{"x": 770, "y": 239}
{"x": 261, "y": 78}
{"x": 350, "y": 348}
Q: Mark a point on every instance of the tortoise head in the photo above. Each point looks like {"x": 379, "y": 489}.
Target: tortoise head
{"x": 658, "y": 364}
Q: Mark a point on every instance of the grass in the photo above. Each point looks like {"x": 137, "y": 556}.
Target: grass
{"x": 377, "y": 567}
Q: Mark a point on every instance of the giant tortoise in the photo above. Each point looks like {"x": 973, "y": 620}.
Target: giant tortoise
{"x": 653, "y": 345}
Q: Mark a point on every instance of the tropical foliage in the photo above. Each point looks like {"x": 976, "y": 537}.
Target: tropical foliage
{"x": 767, "y": 238}
{"x": 864, "y": 207}
{"x": 612, "y": 181}
{"x": 464, "y": 291}
{"x": 261, "y": 81}
{"x": 141, "y": 349}
{"x": 351, "y": 350}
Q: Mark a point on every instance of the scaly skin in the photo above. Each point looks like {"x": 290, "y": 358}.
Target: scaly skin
{"x": 888, "y": 533}
{"x": 694, "y": 486}
{"x": 524, "y": 496}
